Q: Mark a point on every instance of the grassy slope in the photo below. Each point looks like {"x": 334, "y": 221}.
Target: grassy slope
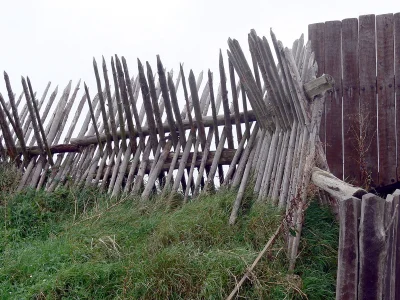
{"x": 49, "y": 251}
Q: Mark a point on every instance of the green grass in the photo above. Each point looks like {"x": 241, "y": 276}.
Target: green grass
{"x": 75, "y": 245}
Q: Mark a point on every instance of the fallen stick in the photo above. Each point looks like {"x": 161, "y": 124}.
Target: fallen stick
{"x": 249, "y": 270}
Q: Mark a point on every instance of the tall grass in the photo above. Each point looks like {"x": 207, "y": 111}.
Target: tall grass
{"x": 73, "y": 244}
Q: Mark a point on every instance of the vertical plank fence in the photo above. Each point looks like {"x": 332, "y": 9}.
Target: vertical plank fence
{"x": 362, "y": 55}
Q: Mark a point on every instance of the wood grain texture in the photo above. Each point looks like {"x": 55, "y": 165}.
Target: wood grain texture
{"x": 347, "y": 273}
{"x": 367, "y": 75}
{"x": 386, "y": 100}
{"x": 350, "y": 87}
{"x": 316, "y": 34}
{"x": 333, "y": 102}
{"x": 397, "y": 83}
{"x": 372, "y": 241}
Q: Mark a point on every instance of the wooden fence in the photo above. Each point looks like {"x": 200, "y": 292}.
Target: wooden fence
{"x": 369, "y": 244}
{"x": 363, "y": 56}
{"x": 124, "y": 150}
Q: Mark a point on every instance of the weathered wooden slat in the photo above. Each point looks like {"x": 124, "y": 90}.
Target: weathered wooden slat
{"x": 244, "y": 159}
{"x": 132, "y": 169}
{"x": 147, "y": 106}
{"x": 367, "y": 73}
{"x": 255, "y": 65}
{"x": 260, "y": 141}
{"x": 197, "y": 109}
{"x": 263, "y": 156}
{"x": 271, "y": 80}
{"x": 306, "y": 164}
{"x": 316, "y": 34}
{"x": 268, "y": 170}
{"x": 53, "y": 126}
{"x": 279, "y": 169}
{"x": 253, "y": 92}
{"x": 245, "y": 111}
{"x": 300, "y": 58}
{"x": 28, "y": 169}
{"x": 347, "y": 273}
{"x": 108, "y": 170}
{"x": 350, "y": 88}
{"x": 386, "y": 98}
{"x": 299, "y": 52}
{"x": 213, "y": 108}
{"x": 241, "y": 191}
{"x": 188, "y": 111}
{"x": 182, "y": 164}
{"x": 288, "y": 167}
{"x": 198, "y": 84}
{"x": 157, "y": 169}
{"x": 396, "y": 19}
{"x": 43, "y": 177}
{"x": 142, "y": 169}
{"x": 14, "y": 107}
{"x": 191, "y": 170}
{"x": 235, "y": 101}
{"x": 40, "y": 125}
{"x": 372, "y": 250}
{"x": 206, "y": 152}
{"x": 82, "y": 171}
{"x": 115, "y": 171}
{"x": 87, "y": 166}
{"x": 296, "y": 108}
{"x": 99, "y": 142}
{"x": 168, "y": 179}
{"x": 133, "y": 94}
{"x": 92, "y": 169}
{"x": 333, "y": 104}
{"x": 126, "y": 106}
{"x": 120, "y": 107}
{"x": 8, "y": 114}
{"x": 390, "y": 224}
{"x": 225, "y": 101}
{"x": 195, "y": 186}
{"x": 64, "y": 117}
{"x": 307, "y": 64}
{"x": 167, "y": 101}
{"x": 75, "y": 120}
{"x": 32, "y": 115}
{"x": 10, "y": 145}
{"x": 154, "y": 100}
{"x": 111, "y": 113}
{"x": 236, "y": 158}
{"x": 175, "y": 107}
{"x": 102, "y": 105}
{"x": 284, "y": 75}
{"x": 396, "y": 258}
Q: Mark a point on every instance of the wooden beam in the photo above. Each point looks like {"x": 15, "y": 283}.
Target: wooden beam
{"x": 207, "y": 121}
{"x": 318, "y": 86}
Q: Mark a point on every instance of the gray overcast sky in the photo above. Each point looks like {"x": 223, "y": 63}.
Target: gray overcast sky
{"x": 55, "y": 41}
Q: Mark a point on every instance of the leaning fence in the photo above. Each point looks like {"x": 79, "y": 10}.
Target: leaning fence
{"x": 168, "y": 148}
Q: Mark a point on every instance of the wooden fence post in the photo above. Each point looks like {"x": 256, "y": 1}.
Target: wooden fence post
{"x": 347, "y": 273}
{"x": 372, "y": 247}
{"x": 391, "y": 217}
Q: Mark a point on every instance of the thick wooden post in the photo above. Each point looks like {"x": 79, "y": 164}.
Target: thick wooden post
{"x": 372, "y": 247}
{"x": 347, "y": 273}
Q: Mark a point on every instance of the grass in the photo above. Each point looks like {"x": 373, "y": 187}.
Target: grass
{"x": 80, "y": 245}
